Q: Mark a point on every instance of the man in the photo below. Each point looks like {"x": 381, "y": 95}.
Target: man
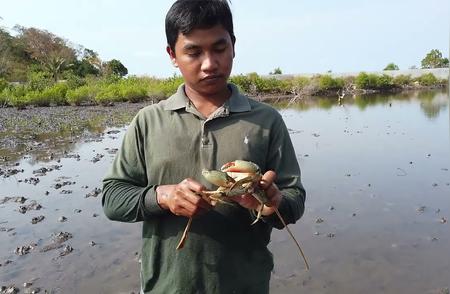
{"x": 156, "y": 176}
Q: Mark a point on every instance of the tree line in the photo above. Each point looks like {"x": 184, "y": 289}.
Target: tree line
{"x": 433, "y": 59}
{"x": 34, "y": 50}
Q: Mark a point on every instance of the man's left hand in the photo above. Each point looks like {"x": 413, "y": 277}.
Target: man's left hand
{"x": 273, "y": 194}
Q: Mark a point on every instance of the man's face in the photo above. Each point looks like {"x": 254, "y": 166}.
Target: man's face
{"x": 205, "y": 59}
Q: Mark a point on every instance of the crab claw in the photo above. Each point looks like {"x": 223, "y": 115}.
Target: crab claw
{"x": 218, "y": 178}
{"x": 240, "y": 166}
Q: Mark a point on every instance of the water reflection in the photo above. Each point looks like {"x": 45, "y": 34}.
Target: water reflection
{"x": 432, "y": 102}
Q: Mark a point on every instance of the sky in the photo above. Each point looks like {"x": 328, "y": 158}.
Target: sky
{"x": 298, "y": 36}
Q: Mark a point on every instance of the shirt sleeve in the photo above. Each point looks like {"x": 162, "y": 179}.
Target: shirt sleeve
{"x": 127, "y": 197}
{"x": 282, "y": 160}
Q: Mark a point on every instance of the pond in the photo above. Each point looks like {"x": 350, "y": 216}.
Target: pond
{"x": 376, "y": 170}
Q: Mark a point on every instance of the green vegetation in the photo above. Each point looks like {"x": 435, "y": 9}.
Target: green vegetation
{"x": 276, "y": 71}
{"x": 39, "y": 51}
{"x": 391, "y": 66}
{"x": 42, "y": 90}
{"x": 374, "y": 82}
{"x": 427, "y": 80}
{"x": 41, "y": 69}
{"x": 402, "y": 80}
{"x": 434, "y": 59}
{"x": 327, "y": 82}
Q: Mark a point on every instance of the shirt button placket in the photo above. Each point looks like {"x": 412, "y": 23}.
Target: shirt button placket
{"x": 205, "y": 139}
{"x": 206, "y": 148}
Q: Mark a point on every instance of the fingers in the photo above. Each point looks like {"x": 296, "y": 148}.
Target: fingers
{"x": 192, "y": 185}
{"x": 267, "y": 179}
{"x": 246, "y": 201}
{"x": 273, "y": 194}
{"x": 185, "y": 200}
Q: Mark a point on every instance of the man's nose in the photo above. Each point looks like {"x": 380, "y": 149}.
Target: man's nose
{"x": 209, "y": 63}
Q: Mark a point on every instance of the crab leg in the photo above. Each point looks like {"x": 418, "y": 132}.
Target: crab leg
{"x": 185, "y": 233}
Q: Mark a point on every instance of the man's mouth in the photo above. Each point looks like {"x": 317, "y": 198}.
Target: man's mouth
{"x": 211, "y": 78}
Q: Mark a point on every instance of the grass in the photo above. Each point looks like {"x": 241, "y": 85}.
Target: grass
{"x": 42, "y": 91}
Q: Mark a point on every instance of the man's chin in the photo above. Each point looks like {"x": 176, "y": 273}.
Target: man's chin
{"x": 213, "y": 87}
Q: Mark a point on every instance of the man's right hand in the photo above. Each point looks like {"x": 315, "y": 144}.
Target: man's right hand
{"x": 182, "y": 199}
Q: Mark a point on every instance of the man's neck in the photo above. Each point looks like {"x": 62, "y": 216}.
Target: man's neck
{"x": 207, "y": 104}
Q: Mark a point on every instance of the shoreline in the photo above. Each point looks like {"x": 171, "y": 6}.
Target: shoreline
{"x": 109, "y": 90}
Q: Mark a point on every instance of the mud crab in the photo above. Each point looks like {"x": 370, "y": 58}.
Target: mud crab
{"x": 237, "y": 178}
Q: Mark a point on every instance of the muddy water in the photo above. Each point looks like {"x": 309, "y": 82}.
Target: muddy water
{"x": 376, "y": 170}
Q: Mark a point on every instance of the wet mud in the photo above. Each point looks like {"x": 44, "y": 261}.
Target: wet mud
{"x": 376, "y": 219}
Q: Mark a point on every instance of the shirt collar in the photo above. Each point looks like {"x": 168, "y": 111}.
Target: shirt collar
{"x": 236, "y": 103}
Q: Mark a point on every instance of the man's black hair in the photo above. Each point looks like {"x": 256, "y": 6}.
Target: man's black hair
{"x": 187, "y": 15}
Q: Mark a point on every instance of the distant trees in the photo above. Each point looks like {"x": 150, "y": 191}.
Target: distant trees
{"x": 115, "y": 67}
{"x": 434, "y": 59}
{"x": 90, "y": 64}
{"x": 276, "y": 71}
{"x": 51, "y": 51}
{"x": 14, "y": 60}
{"x": 391, "y": 66}
{"x": 33, "y": 50}
{"x": 5, "y": 44}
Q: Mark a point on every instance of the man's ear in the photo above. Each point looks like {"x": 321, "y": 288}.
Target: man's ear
{"x": 172, "y": 56}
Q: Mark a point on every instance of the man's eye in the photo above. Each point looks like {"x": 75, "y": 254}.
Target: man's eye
{"x": 220, "y": 49}
{"x": 193, "y": 53}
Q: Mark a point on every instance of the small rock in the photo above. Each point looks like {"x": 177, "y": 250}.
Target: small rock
{"x": 67, "y": 249}
{"x": 77, "y": 210}
{"x": 61, "y": 237}
{"x": 22, "y": 250}
{"x": 94, "y": 215}
{"x": 331, "y": 235}
{"x": 316, "y": 233}
{"x": 9, "y": 289}
{"x": 32, "y": 180}
{"x": 92, "y": 243}
{"x": 37, "y": 219}
{"x": 421, "y": 209}
{"x": 6, "y": 262}
{"x": 32, "y": 290}
{"x": 32, "y": 206}
{"x": 331, "y": 208}
{"x": 319, "y": 220}
{"x": 443, "y": 220}
{"x": 62, "y": 219}
{"x": 97, "y": 158}
{"x": 94, "y": 193}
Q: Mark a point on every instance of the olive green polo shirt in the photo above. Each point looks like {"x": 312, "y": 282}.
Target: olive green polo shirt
{"x": 170, "y": 141}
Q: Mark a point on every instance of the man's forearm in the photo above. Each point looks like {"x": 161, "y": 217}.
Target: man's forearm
{"x": 125, "y": 202}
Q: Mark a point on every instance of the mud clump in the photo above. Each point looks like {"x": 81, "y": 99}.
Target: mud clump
{"x": 94, "y": 193}
{"x": 32, "y": 206}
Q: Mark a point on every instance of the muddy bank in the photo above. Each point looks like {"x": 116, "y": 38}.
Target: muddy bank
{"x": 47, "y": 133}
